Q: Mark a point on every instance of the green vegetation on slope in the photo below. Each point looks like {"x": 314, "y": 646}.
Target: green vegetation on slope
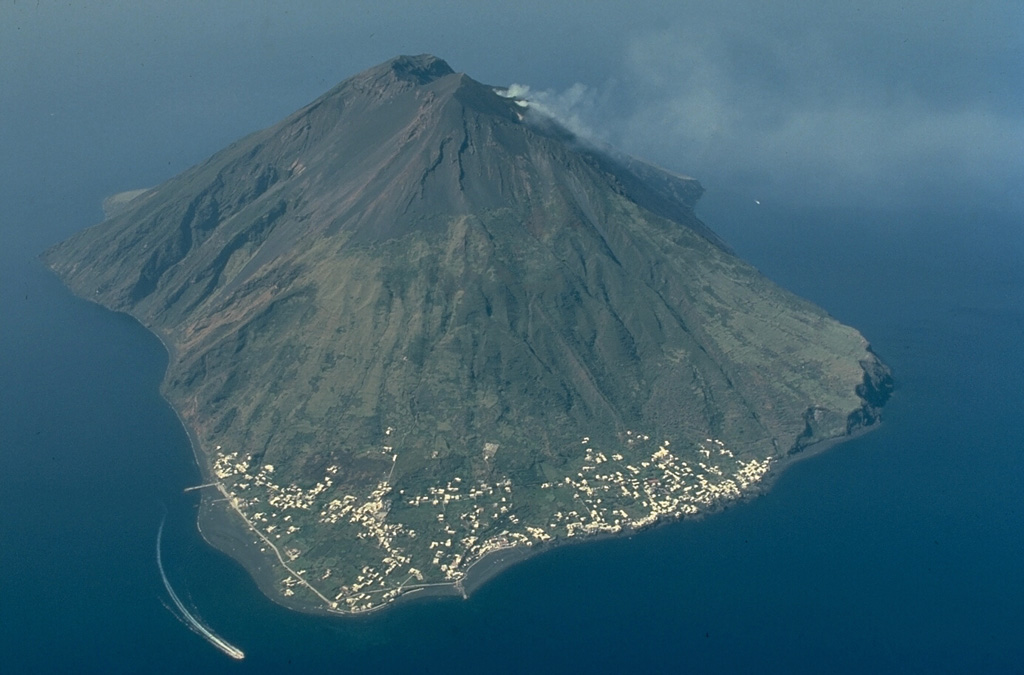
{"x": 409, "y": 328}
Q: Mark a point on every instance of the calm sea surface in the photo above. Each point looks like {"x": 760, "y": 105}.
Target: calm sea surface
{"x": 902, "y": 550}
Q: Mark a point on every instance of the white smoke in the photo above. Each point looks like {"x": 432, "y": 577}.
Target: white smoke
{"x": 799, "y": 113}
{"x": 811, "y": 115}
{"x": 570, "y": 108}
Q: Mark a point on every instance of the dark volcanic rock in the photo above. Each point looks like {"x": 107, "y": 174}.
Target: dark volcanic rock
{"x": 409, "y": 327}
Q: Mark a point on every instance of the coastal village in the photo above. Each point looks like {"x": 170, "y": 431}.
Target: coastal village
{"x": 402, "y": 542}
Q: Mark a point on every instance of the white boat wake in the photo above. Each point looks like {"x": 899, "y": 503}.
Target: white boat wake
{"x": 192, "y": 622}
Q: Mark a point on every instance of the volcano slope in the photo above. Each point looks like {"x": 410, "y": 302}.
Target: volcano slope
{"x": 413, "y": 327}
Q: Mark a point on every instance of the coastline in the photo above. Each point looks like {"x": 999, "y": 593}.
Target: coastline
{"x": 224, "y": 529}
{"x": 492, "y": 565}
{"x": 220, "y": 527}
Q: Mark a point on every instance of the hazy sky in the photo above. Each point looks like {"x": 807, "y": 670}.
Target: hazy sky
{"x": 881, "y": 103}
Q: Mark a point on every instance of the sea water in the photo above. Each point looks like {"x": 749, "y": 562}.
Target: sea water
{"x": 901, "y": 550}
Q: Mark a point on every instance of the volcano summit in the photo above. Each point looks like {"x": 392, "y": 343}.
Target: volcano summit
{"x": 416, "y": 331}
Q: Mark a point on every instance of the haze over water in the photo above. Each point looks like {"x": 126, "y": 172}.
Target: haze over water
{"x": 898, "y": 551}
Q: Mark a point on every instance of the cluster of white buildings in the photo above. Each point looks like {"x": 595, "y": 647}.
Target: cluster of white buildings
{"x": 467, "y": 520}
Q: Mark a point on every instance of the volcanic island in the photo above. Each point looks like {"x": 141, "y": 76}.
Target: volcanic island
{"x": 418, "y": 331}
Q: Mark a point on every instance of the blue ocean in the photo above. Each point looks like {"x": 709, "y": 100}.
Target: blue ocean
{"x": 900, "y": 551}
